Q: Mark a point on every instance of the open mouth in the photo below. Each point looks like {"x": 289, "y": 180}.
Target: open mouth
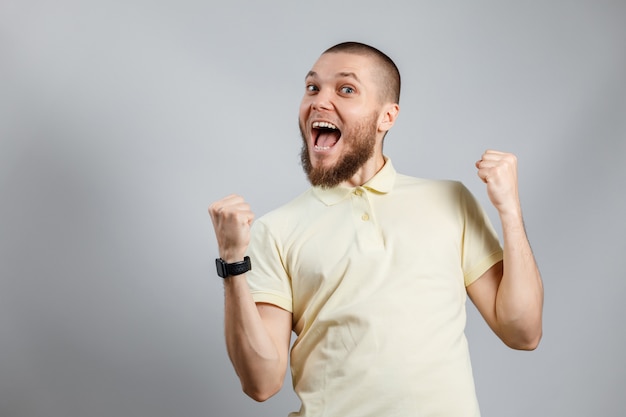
{"x": 326, "y": 135}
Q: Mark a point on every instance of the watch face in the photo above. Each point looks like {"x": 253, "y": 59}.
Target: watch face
{"x": 225, "y": 270}
{"x": 221, "y": 268}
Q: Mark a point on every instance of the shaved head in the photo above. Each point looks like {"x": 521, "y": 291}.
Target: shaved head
{"x": 385, "y": 70}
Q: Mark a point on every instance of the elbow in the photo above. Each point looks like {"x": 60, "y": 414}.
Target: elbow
{"x": 521, "y": 333}
{"x": 524, "y": 342}
{"x": 262, "y": 381}
{"x": 261, "y": 393}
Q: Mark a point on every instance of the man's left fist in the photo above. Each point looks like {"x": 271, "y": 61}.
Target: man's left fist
{"x": 499, "y": 171}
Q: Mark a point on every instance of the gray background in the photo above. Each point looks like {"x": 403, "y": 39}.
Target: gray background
{"x": 121, "y": 121}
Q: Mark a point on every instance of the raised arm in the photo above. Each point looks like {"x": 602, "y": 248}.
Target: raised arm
{"x": 510, "y": 294}
{"x": 257, "y": 335}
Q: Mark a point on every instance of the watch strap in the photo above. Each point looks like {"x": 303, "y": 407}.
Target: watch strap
{"x": 225, "y": 270}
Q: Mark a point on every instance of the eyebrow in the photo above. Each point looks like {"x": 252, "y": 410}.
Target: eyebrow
{"x": 313, "y": 74}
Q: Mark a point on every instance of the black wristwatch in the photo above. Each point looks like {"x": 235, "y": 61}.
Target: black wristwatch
{"x": 225, "y": 270}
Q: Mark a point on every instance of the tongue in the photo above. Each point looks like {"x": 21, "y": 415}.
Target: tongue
{"x": 327, "y": 139}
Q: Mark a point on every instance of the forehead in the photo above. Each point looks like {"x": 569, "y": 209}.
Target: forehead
{"x": 339, "y": 64}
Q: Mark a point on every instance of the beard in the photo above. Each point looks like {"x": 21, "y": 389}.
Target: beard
{"x": 362, "y": 141}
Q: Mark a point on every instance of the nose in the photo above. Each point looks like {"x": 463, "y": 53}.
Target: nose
{"x": 322, "y": 100}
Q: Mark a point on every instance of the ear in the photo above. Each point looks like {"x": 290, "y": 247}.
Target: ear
{"x": 388, "y": 116}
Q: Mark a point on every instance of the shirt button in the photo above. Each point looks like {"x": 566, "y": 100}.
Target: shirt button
{"x": 358, "y": 192}
{"x": 365, "y": 217}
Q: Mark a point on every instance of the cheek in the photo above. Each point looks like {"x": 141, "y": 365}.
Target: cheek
{"x": 304, "y": 107}
{"x": 357, "y": 113}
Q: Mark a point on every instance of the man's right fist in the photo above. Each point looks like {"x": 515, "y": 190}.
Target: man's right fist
{"x": 232, "y": 219}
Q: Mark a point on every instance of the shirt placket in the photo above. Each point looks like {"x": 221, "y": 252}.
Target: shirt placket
{"x": 368, "y": 234}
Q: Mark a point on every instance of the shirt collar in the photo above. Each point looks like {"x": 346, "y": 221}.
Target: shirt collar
{"x": 381, "y": 183}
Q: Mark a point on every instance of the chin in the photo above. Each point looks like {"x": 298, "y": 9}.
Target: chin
{"x": 323, "y": 162}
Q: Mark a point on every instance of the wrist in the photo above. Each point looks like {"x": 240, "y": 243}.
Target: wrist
{"x": 227, "y": 269}
{"x": 511, "y": 220}
{"x": 232, "y": 256}
{"x": 509, "y": 212}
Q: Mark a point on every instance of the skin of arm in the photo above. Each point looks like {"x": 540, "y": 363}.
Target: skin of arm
{"x": 257, "y": 335}
{"x": 510, "y": 294}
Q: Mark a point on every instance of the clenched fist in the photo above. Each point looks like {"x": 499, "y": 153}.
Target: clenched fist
{"x": 499, "y": 171}
{"x": 232, "y": 219}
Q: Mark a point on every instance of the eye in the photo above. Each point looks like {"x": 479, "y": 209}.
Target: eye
{"x": 311, "y": 88}
{"x": 347, "y": 90}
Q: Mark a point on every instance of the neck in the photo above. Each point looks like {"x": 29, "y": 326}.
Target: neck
{"x": 366, "y": 172}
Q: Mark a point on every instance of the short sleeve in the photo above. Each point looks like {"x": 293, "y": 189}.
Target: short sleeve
{"x": 481, "y": 248}
{"x": 268, "y": 279}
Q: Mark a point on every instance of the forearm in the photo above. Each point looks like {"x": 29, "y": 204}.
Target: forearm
{"x": 519, "y": 301}
{"x": 254, "y": 354}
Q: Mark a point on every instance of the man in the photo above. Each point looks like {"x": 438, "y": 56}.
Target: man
{"x": 371, "y": 268}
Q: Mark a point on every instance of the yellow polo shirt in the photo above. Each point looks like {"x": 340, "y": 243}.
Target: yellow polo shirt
{"x": 375, "y": 278}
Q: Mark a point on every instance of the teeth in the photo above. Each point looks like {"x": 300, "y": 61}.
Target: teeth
{"x": 321, "y": 148}
{"x": 324, "y": 125}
